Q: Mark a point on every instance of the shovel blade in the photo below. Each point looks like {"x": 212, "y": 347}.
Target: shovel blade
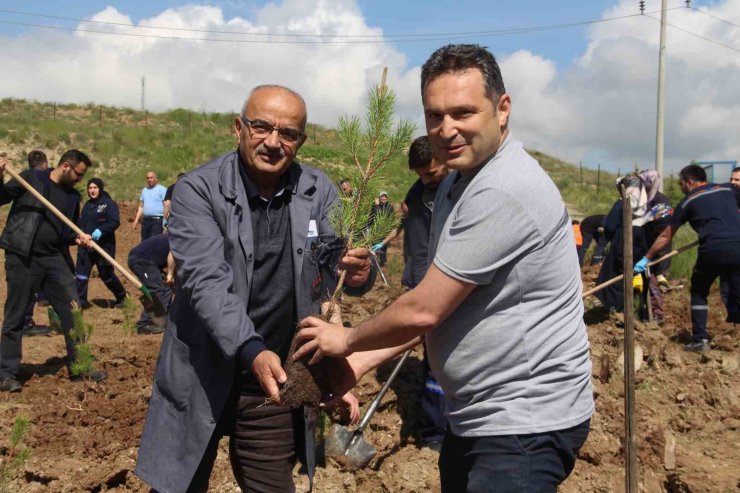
{"x": 337, "y": 441}
{"x": 341, "y": 442}
{"x": 360, "y": 453}
{"x": 153, "y": 307}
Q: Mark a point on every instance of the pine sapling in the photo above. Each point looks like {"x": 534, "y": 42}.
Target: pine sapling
{"x": 371, "y": 144}
{"x": 130, "y": 315}
{"x": 80, "y": 333}
{"x": 17, "y": 454}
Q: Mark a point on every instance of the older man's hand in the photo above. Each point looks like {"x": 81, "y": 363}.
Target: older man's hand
{"x": 356, "y": 263}
{"x": 270, "y": 374}
{"x": 322, "y": 339}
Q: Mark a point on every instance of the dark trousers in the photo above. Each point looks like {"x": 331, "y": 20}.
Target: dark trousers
{"x": 86, "y": 259}
{"x": 24, "y": 276}
{"x": 598, "y": 255}
{"x": 151, "y": 226}
{"x": 433, "y": 422}
{"x": 723, "y": 261}
{"x": 510, "y": 463}
{"x": 151, "y": 277}
{"x": 261, "y": 448}
{"x": 38, "y": 296}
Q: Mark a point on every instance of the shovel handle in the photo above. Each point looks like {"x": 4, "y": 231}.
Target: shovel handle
{"x": 132, "y": 278}
{"x": 615, "y": 280}
{"x": 374, "y": 405}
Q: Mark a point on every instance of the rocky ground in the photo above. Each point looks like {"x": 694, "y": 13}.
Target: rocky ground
{"x": 84, "y": 436}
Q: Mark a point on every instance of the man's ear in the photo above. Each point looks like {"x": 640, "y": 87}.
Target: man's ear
{"x": 503, "y": 110}
{"x": 238, "y": 124}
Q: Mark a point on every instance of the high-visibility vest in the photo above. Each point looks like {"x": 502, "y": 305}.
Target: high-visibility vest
{"x": 577, "y": 234}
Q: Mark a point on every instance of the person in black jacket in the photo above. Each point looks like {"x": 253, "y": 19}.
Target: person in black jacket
{"x": 36, "y": 245}
{"x": 100, "y": 220}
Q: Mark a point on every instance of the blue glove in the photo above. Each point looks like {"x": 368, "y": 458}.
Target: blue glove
{"x": 377, "y": 246}
{"x": 96, "y": 234}
{"x": 641, "y": 266}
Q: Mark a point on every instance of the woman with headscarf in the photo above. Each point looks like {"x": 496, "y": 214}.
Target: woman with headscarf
{"x": 100, "y": 219}
{"x": 651, "y": 211}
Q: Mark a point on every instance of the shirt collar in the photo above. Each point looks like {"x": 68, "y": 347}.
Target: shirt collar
{"x": 287, "y": 183}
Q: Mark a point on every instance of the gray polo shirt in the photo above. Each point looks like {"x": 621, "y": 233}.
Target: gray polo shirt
{"x": 513, "y": 358}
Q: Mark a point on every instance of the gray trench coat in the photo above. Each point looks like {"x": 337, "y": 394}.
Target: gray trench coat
{"x": 211, "y": 240}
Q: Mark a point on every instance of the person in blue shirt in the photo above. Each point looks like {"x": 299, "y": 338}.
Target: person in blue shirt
{"x": 99, "y": 219}
{"x": 712, "y": 210}
{"x": 151, "y": 207}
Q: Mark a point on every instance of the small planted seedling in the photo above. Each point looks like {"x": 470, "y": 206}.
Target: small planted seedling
{"x": 81, "y": 332}
{"x": 371, "y": 145}
{"x": 16, "y": 456}
{"x": 130, "y": 315}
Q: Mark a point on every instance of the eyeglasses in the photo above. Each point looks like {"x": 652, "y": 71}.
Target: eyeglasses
{"x": 261, "y": 128}
{"x": 77, "y": 173}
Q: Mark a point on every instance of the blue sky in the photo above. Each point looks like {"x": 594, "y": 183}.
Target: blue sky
{"x": 585, "y": 93}
{"x": 394, "y": 17}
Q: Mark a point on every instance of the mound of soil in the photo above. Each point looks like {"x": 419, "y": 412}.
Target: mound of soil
{"x": 84, "y": 436}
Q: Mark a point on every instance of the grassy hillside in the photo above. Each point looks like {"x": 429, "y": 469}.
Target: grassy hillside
{"x": 125, "y": 143}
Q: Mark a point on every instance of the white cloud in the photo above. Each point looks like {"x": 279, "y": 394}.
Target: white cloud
{"x": 212, "y": 76}
{"x": 602, "y": 105}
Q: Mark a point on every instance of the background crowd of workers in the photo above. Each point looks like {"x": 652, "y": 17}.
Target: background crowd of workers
{"x": 38, "y": 262}
{"x": 254, "y": 250}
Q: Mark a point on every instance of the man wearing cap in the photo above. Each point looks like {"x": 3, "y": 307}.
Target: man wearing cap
{"x": 151, "y": 207}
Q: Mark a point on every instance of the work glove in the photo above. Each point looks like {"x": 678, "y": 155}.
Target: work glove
{"x": 96, "y": 234}
{"x": 377, "y": 246}
{"x": 637, "y": 283}
{"x": 641, "y": 266}
{"x": 662, "y": 281}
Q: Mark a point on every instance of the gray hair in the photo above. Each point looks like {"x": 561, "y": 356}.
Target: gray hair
{"x": 271, "y": 86}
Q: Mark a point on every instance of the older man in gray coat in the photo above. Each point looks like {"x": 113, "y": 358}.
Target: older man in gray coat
{"x": 254, "y": 251}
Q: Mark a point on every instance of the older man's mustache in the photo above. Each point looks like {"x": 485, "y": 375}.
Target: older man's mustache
{"x": 264, "y": 150}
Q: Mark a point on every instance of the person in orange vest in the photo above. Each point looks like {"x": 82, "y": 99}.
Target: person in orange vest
{"x": 579, "y": 240}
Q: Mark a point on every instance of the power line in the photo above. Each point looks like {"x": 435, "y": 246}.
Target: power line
{"x": 698, "y": 35}
{"x": 378, "y": 39}
{"x": 716, "y": 17}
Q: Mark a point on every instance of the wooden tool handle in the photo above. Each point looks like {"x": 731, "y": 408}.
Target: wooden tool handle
{"x": 132, "y": 278}
{"x": 615, "y": 280}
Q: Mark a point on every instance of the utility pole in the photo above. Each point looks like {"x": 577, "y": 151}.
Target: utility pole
{"x": 143, "y": 79}
{"x": 659, "y": 128}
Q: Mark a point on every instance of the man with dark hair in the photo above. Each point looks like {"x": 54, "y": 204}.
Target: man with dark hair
{"x": 500, "y": 305}
{"x": 168, "y": 200}
{"x": 735, "y": 178}
{"x": 255, "y": 251}
{"x": 151, "y": 207}
{"x": 36, "y": 245}
{"x": 38, "y": 160}
{"x": 712, "y": 210}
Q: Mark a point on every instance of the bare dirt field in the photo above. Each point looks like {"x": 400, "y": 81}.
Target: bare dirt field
{"x": 84, "y": 436}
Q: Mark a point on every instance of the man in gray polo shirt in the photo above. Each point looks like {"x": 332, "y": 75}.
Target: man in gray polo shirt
{"x": 500, "y": 306}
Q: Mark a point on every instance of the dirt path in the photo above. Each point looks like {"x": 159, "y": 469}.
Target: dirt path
{"x": 85, "y": 436}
